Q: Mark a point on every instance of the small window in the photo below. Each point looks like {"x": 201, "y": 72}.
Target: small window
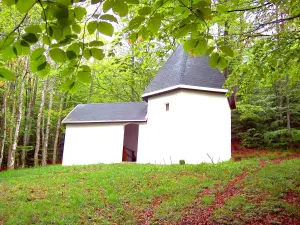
{"x": 167, "y": 107}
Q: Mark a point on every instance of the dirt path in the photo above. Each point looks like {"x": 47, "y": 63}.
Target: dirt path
{"x": 198, "y": 214}
{"x": 201, "y": 215}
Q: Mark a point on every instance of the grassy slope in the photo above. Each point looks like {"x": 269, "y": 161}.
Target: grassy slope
{"x": 133, "y": 194}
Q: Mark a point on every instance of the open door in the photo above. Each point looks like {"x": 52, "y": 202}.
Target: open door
{"x": 130, "y": 143}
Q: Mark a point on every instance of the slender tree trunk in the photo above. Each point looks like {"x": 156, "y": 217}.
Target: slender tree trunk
{"x": 91, "y": 87}
{"x": 38, "y": 124}
{"x": 11, "y": 163}
{"x": 11, "y": 126}
{"x": 45, "y": 144}
{"x": 54, "y": 157}
{"x": 280, "y": 103}
{"x": 288, "y": 112}
{"x": 28, "y": 121}
{"x": 4, "y": 125}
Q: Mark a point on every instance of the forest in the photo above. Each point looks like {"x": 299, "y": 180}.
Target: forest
{"x": 57, "y": 54}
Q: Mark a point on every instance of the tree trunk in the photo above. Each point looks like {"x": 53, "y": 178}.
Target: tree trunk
{"x": 4, "y": 125}
{"x": 288, "y": 112}
{"x": 38, "y": 124}
{"x": 13, "y": 90}
{"x": 280, "y": 103}
{"x": 91, "y": 87}
{"x": 11, "y": 157}
{"x": 54, "y": 157}
{"x": 45, "y": 144}
{"x": 28, "y": 120}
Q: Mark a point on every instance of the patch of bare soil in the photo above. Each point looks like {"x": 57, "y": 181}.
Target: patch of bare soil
{"x": 293, "y": 198}
{"x": 197, "y": 214}
{"x": 145, "y": 215}
{"x": 274, "y": 219}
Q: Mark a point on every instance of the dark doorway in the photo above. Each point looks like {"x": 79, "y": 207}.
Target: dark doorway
{"x": 130, "y": 143}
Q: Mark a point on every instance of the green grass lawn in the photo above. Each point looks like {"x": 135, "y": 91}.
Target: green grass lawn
{"x": 135, "y": 194}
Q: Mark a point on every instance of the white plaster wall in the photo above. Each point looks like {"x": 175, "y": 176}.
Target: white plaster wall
{"x": 93, "y": 143}
{"x": 198, "y": 123}
{"x": 159, "y": 138}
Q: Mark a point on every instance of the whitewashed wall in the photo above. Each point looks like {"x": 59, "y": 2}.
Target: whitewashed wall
{"x": 197, "y": 124}
{"x": 93, "y": 143}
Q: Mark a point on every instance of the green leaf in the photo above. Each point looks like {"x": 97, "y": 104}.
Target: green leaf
{"x": 37, "y": 64}
{"x": 30, "y": 38}
{"x": 57, "y": 55}
{"x": 154, "y": 24}
{"x": 221, "y": 9}
{"x": 227, "y": 50}
{"x": 213, "y": 61}
{"x": 36, "y": 29}
{"x": 210, "y": 50}
{"x": 67, "y": 31}
{"x": 21, "y": 48}
{"x": 189, "y": 44}
{"x": 75, "y": 47}
{"x": 71, "y": 55}
{"x": 182, "y": 31}
{"x": 132, "y": 1}
{"x": 201, "y": 47}
{"x": 222, "y": 64}
{"x": 6, "y": 41}
{"x": 107, "y": 5}
{"x": 68, "y": 85}
{"x": 84, "y": 77}
{"x": 85, "y": 68}
{"x": 80, "y": 12}
{"x": 109, "y": 18}
{"x": 144, "y": 11}
{"x": 37, "y": 53}
{"x": 9, "y": 53}
{"x": 133, "y": 37}
{"x": 43, "y": 69}
{"x": 97, "y": 53}
{"x": 120, "y": 8}
{"x": 136, "y": 22}
{"x": 96, "y": 43}
{"x": 95, "y": 1}
{"x": 92, "y": 26}
{"x": 87, "y": 54}
{"x": 9, "y": 2}
{"x": 105, "y": 28}
{"x": 7, "y": 74}
{"x": 46, "y": 40}
{"x": 76, "y": 28}
{"x": 67, "y": 72}
{"x": 24, "y": 5}
{"x": 144, "y": 33}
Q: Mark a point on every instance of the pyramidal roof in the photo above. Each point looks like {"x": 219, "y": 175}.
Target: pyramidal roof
{"x": 183, "y": 71}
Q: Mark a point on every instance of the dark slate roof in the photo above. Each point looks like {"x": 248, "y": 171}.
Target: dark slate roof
{"x": 108, "y": 112}
{"x": 183, "y": 69}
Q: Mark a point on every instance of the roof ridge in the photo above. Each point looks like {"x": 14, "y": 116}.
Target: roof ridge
{"x": 102, "y": 103}
{"x": 163, "y": 66}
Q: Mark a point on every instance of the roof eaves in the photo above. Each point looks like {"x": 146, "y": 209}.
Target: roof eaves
{"x": 103, "y": 121}
{"x": 146, "y": 95}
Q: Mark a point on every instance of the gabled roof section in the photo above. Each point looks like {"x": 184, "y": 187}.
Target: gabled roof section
{"x": 185, "y": 71}
{"x": 108, "y": 112}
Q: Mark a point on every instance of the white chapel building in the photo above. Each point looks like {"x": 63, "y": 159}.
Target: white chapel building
{"x": 185, "y": 116}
